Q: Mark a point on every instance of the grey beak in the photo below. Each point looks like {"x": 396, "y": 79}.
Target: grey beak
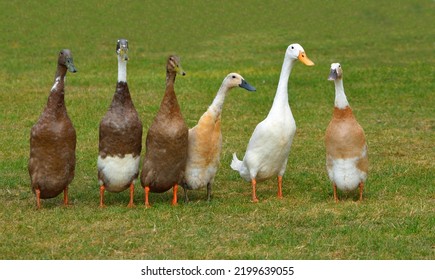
{"x": 247, "y": 86}
{"x": 70, "y": 65}
{"x": 332, "y": 75}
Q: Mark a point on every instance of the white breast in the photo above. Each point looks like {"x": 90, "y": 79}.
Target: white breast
{"x": 345, "y": 173}
{"x": 118, "y": 171}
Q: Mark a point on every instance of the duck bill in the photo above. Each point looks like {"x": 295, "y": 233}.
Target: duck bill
{"x": 180, "y": 71}
{"x": 70, "y": 65}
{"x": 247, "y": 86}
{"x": 332, "y": 75}
{"x": 304, "y": 59}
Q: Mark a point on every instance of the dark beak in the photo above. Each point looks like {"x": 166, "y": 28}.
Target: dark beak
{"x": 70, "y": 65}
{"x": 332, "y": 75}
{"x": 247, "y": 86}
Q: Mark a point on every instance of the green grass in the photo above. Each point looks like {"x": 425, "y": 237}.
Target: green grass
{"x": 386, "y": 51}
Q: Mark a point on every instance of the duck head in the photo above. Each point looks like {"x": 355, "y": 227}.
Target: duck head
{"x": 122, "y": 49}
{"x": 295, "y": 51}
{"x": 336, "y": 72}
{"x": 173, "y": 65}
{"x": 66, "y": 59}
{"x": 236, "y": 80}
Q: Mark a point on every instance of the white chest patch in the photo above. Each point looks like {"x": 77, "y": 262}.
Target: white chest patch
{"x": 118, "y": 171}
{"x": 199, "y": 177}
{"x": 56, "y": 83}
{"x": 345, "y": 173}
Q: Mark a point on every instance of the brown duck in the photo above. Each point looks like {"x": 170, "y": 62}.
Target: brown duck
{"x": 166, "y": 143}
{"x": 120, "y": 136}
{"x": 346, "y": 146}
{"x": 53, "y": 140}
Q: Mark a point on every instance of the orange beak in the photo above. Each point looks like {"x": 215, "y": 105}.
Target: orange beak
{"x": 304, "y": 59}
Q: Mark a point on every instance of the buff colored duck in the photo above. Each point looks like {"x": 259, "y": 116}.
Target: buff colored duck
{"x": 166, "y": 143}
{"x": 205, "y": 140}
{"x": 346, "y": 147}
{"x": 269, "y": 147}
{"x": 53, "y": 140}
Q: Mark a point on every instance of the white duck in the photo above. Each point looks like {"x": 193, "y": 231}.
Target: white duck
{"x": 346, "y": 147}
{"x": 205, "y": 140}
{"x": 268, "y": 149}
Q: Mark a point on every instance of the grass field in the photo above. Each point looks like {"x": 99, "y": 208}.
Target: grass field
{"x": 386, "y": 50}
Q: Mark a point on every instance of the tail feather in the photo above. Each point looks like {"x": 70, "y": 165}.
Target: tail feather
{"x": 236, "y": 164}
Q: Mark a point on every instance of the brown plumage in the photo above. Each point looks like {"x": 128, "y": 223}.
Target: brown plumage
{"x": 120, "y": 136}
{"x": 53, "y": 141}
{"x": 121, "y": 127}
{"x": 166, "y": 143}
{"x": 346, "y": 147}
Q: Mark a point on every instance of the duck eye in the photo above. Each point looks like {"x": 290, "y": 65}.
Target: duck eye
{"x": 234, "y": 77}
{"x": 293, "y": 47}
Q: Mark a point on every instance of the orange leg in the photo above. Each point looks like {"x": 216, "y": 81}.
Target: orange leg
{"x": 361, "y": 187}
{"x": 65, "y": 196}
{"x": 102, "y": 188}
{"x": 174, "y": 199}
{"x": 254, "y": 186}
{"x": 279, "y": 186}
{"x": 131, "y": 204}
{"x": 38, "y": 198}
{"x": 334, "y": 186}
{"x": 147, "y": 190}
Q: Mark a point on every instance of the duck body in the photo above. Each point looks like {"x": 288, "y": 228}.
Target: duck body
{"x": 205, "y": 140}
{"x": 205, "y": 145}
{"x": 53, "y": 141}
{"x": 120, "y": 142}
{"x": 269, "y": 147}
{"x": 165, "y": 160}
{"x": 166, "y": 142}
{"x": 120, "y": 136}
{"x": 346, "y": 147}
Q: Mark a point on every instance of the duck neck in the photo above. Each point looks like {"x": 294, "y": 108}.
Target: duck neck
{"x": 122, "y": 70}
{"x": 170, "y": 78}
{"x": 169, "y": 103}
{"x": 56, "y": 99}
{"x": 281, "y": 96}
{"x": 340, "y": 97}
{"x": 122, "y": 94}
{"x": 218, "y": 101}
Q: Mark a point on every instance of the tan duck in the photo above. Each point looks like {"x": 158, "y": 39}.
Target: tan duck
{"x": 205, "y": 140}
{"x": 53, "y": 140}
{"x": 120, "y": 136}
{"x": 269, "y": 147}
{"x": 166, "y": 143}
{"x": 346, "y": 147}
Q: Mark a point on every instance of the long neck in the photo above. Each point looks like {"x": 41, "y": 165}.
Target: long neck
{"x": 218, "y": 102}
{"x": 59, "y": 77}
{"x": 340, "y": 97}
{"x": 281, "y": 96}
{"x": 169, "y": 103}
{"x": 56, "y": 99}
{"x": 122, "y": 70}
{"x": 122, "y": 94}
{"x": 170, "y": 78}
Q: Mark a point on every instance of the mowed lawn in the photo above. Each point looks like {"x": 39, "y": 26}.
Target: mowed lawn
{"x": 387, "y": 53}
